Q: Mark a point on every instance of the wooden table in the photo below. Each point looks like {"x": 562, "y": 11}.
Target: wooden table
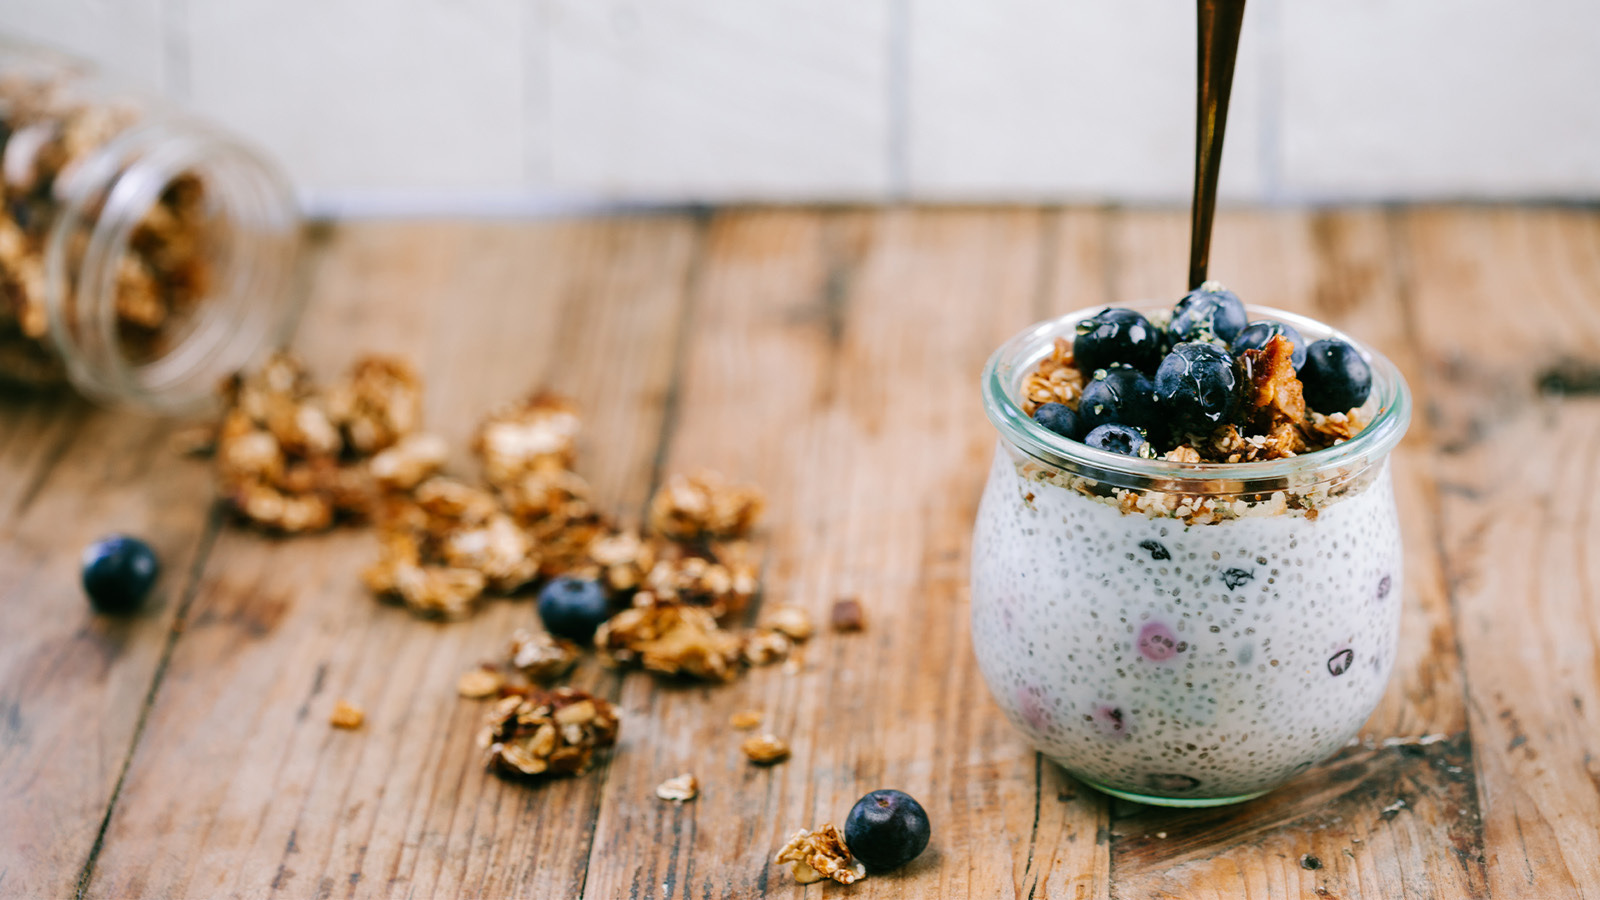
{"x": 831, "y": 356}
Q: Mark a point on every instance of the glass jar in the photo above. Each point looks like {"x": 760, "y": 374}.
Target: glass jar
{"x": 144, "y": 255}
{"x": 1185, "y": 634}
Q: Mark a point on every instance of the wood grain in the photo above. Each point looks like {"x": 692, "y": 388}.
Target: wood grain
{"x": 242, "y": 789}
{"x": 73, "y": 684}
{"x": 1507, "y": 296}
{"x": 832, "y": 357}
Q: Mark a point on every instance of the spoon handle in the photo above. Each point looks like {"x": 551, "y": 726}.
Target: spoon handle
{"x": 1220, "y": 21}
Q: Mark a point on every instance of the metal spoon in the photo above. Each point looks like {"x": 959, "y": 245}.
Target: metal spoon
{"x": 1220, "y": 21}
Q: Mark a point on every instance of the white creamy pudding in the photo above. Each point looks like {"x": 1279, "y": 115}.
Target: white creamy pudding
{"x": 1154, "y": 657}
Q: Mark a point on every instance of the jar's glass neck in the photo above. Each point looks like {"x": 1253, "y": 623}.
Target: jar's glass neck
{"x": 1388, "y": 410}
{"x": 214, "y": 225}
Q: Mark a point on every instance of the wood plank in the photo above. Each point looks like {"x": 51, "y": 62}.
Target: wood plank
{"x": 1502, "y": 298}
{"x": 1338, "y": 268}
{"x": 73, "y": 684}
{"x": 241, "y": 787}
{"x": 871, "y": 332}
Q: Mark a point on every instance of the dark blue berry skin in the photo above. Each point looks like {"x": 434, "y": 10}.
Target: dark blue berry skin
{"x": 886, "y": 829}
{"x": 1059, "y": 418}
{"x": 1118, "y": 395}
{"x": 1117, "y": 336}
{"x": 1208, "y": 311}
{"x": 1124, "y": 439}
{"x": 573, "y": 608}
{"x": 1257, "y": 334}
{"x": 118, "y": 572}
{"x": 1335, "y": 377}
{"x": 1197, "y": 387}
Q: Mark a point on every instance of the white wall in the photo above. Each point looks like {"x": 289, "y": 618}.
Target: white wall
{"x": 484, "y": 104}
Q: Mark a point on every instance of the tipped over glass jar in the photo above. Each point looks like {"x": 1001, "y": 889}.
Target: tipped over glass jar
{"x": 1197, "y": 620}
{"x": 144, "y": 255}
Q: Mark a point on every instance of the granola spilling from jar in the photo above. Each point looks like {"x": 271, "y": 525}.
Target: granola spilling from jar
{"x": 48, "y": 135}
{"x": 1203, "y": 385}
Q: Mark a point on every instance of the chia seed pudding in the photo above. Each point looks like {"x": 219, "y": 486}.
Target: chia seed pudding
{"x": 1186, "y": 632}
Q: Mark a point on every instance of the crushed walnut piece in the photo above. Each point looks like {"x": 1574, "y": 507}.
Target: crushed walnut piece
{"x": 541, "y": 657}
{"x": 547, "y": 733}
{"x": 794, "y": 621}
{"x": 346, "y": 715}
{"x": 669, "y": 638}
{"x": 765, "y": 749}
{"x": 746, "y": 720}
{"x": 695, "y": 507}
{"x": 820, "y": 854}
{"x": 1055, "y": 380}
{"x": 679, "y": 789}
{"x": 475, "y": 684}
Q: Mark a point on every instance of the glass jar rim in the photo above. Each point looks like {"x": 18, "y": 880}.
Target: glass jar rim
{"x": 1016, "y": 357}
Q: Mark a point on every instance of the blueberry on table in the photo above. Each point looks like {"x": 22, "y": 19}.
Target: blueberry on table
{"x": 1118, "y": 395}
{"x": 573, "y": 608}
{"x": 1058, "y": 417}
{"x": 1197, "y": 387}
{"x": 1116, "y": 336}
{"x": 1124, "y": 439}
{"x": 886, "y": 829}
{"x": 118, "y": 572}
{"x": 1256, "y": 335}
{"x": 1335, "y": 377}
{"x": 1208, "y": 311}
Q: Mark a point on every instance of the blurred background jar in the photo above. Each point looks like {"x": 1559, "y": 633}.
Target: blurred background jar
{"x": 144, "y": 255}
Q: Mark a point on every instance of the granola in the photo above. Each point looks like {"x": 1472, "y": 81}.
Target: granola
{"x": 820, "y": 854}
{"x": 545, "y": 733}
{"x": 720, "y": 577}
{"x": 695, "y": 507}
{"x": 765, "y": 749}
{"x": 541, "y": 657}
{"x": 475, "y": 684}
{"x": 1055, "y": 380}
{"x": 764, "y": 646}
{"x": 847, "y": 615}
{"x": 746, "y": 720}
{"x": 346, "y": 715}
{"x": 669, "y": 638}
{"x": 679, "y": 789}
{"x": 537, "y": 434}
{"x": 793, "y": 621}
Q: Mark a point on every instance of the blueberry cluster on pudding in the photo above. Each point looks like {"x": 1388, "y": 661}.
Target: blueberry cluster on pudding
{"x": 1186, "y": 570}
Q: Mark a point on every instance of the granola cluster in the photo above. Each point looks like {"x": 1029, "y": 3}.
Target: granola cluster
{"x": 291, "y": 457}
{"x": 820, "y": 854}
{"x": 1055, "y": 380}
{"x": 159, "y": 282}
{"x": 695, "y": 507}
{"x": 677, "y": 639}
{"x": 545, "y": 733}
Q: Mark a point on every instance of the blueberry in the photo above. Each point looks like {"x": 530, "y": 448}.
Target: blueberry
{"x": 118, "y": 572}
{"x": 1116, "y": 336}
{"x": 1124, "y": 439}
{"x": 1256, "y": 335}
{"x": 1208, "y": 311}
{"x": 886, "y": 829}
{"x": 1118, "y": 395}
{"x": 1335, "y": 376}
{"x": 1058, "y": 417}
{"x": 1197, "y": 386}
{"x": 573, "y": 608}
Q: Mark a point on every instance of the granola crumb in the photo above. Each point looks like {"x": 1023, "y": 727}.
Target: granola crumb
{"x": 765, "y": 749}
{"x": 765, "y": 646}
{"x": 694, "y": 507}
{"x": 544, "y": 733}
{"x": 794, "y": 621}
{"x": 746, "y": 720}
{"x": 820, "y": 854}
{"x": 475, "y": 684}
{"x": 847, "y": 615}
{"x": 541, "y": 657}
{"x": 683, "y": 788}
{"x": 346, "y": 715}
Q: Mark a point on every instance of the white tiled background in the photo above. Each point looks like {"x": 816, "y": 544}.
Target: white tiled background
{"x": 491, "y": 104}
